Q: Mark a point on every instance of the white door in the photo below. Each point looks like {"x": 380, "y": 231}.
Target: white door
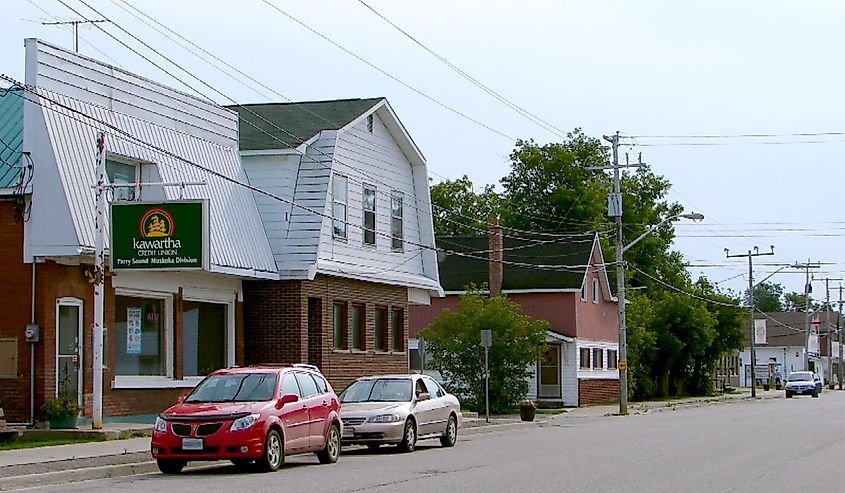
{"x": 69, "y": 349}
{"x": 548, "y": 374}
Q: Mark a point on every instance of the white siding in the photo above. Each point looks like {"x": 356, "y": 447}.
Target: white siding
{"x": 532, "y": 382}
{"x": 570, "y": 374}
{"x": 238, "y": 244}
{"x": 376, "y": 159}
{"x": 604, "y": 372}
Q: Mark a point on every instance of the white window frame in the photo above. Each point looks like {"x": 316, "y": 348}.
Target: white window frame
{"x": 364, "y": 213}
{"x": 397, "y": 195}
{"x": 596, "y": 289}
{"x": 230, "y": 325}
{"x": 345, "y": 203}
{"x": 165, "y": 381}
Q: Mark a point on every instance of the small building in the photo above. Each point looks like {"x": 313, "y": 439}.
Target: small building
{"x": 558, "y": 279}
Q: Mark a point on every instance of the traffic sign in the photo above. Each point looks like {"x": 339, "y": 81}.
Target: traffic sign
{"x": 623, "y": 365}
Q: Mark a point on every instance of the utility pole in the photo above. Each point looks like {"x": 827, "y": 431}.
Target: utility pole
{"x": 750, "y": 256}
{"x": 99, "y": 277}
{"x": 828, "y": 332}
{"x": 839, "y": 337}
{"x": 808, "y": 288}
{"x": 75, "y": 28}
{"x": 614, "y": 209}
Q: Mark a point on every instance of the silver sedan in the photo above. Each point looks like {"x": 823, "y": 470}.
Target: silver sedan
{"x": 398, "y": 409}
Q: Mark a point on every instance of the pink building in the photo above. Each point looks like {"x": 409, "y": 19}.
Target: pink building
{"x": 562, "y": 280}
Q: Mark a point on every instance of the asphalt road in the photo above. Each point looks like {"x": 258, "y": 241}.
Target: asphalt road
{"x": 766, "y": 445}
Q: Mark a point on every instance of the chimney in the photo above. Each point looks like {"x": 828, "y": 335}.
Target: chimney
{"x": 496, "y": 256}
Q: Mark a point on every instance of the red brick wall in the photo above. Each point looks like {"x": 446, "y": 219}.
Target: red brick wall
{"x": 594, "y": 391}
{"x": 276, "y": 325}
{"x": 15, "y": 302}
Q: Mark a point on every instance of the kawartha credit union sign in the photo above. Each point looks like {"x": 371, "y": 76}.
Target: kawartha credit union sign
{"x": 159, "y": 236}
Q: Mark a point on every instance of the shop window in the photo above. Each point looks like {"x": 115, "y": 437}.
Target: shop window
{"x": 204, "y": 337}
{"x": 584, "y": 357}
{"x": 397, "y": 333}
{"x": 359, "y": 332}
{"x": 339, "y": 325}
{"x": 140, "y": 336}
{"x": 381, "y": 333}
{"x": 340, "y": 186}
{"x": 369, "y": 206}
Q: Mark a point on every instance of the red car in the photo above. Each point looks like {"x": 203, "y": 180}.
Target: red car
{"x": 250, "y": 414}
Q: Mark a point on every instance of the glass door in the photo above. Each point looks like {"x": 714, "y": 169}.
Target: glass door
{"x": 548, "y": 369}
{"x": 69, "y": 350}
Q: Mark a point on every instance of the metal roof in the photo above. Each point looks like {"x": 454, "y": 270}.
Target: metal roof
{"x": 238, "y": 243}
{"x": 11, "y": 136}
{"x": 261, "y": 123}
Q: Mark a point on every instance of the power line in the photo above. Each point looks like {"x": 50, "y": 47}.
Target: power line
{"x": 383, "y": 72}
{"x": 510, "y": 104}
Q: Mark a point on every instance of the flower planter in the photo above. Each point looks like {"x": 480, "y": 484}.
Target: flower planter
{"x": 526, "y": 413}
{"x": 65, "y": 423}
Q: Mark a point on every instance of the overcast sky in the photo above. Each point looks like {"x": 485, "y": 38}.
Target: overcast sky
{"x": 644, "y": 68}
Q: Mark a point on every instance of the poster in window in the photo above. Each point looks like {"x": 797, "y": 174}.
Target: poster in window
{"x": 133, "y": 330}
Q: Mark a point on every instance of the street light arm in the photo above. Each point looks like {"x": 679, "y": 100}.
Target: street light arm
{"x": 694, "y": 216}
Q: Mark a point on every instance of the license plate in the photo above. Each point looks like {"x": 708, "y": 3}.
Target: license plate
{"x": 348, "y": 432}
{"x": 192, "y": 444}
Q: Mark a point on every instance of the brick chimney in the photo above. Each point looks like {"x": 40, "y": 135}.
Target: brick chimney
{"x": 496, "y": 256}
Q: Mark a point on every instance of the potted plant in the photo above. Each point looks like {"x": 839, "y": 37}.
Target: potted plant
{"x": 527, "y": 410}
{"x": 61, "y": 413}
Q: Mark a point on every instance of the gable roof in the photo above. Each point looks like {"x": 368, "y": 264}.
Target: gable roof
{"x": 11, "y": 136}
{"x": 296, "y": 122}
{"x": 522, "y": 260}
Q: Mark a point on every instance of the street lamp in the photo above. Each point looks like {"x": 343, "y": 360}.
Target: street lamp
{"x": 620, "y": 288}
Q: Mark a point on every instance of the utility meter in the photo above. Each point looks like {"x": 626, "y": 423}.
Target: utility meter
{"x": 32, "y": 332}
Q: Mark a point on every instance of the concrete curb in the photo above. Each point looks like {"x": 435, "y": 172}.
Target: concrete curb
{"x": 148, "y": 466}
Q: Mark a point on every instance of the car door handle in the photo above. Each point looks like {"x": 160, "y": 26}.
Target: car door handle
{"x": 325, "y": 404}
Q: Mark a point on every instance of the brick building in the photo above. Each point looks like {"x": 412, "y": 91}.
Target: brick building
{"x": 562, "y": 281}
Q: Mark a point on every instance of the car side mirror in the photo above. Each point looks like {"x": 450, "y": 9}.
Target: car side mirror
{"x": 423, "y": 396}
{"x": 286, "y": 399}
{"x": 180, "y": 399}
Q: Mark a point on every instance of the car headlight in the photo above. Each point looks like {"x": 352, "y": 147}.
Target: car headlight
{"x": 386, "y": 418}
{"x": 161, "y": 425}
{"x": 244, "y": 423}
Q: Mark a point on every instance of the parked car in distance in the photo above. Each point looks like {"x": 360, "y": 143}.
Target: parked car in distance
{"x": 803, "y": 383}
{"x": 253, "y": 414}
{"x": 398, "y": 409}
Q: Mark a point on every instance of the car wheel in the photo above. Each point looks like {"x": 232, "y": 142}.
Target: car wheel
{"x": 373, "y": 446}
{"x": 274, "y": 453}
{"x": 451, "y": 436}
{"x": 409, "y": 438}
{"x": 789, "y": 395}
{"x": 816, "y": 395}
{"x": 331, "y": 451}
{"x": 170, "y": 466}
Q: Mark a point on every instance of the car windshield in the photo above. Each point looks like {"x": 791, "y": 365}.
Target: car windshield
{"x": 378, "y": 390}
{"x": 240, "y": 387}
{"x": 801, "y": 377}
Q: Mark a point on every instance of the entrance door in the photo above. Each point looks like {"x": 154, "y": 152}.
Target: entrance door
{"x": 69, "y": 349}
{"x": 548, "y": 370}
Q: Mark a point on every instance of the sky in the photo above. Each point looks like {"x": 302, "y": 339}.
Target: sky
{"x": 689, "y": 70}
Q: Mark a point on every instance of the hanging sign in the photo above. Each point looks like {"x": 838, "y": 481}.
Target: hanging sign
{"x": 133, "y": 330}
{"x": 759, "y": 331}
{"x": 159, "y": 236}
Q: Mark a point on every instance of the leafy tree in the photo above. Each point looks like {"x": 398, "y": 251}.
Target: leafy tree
{"x": 794, "y": 302}
{"x": 458, "y": 210}
{"x": 767, "y": 297}
{"x": 453, "y": 346}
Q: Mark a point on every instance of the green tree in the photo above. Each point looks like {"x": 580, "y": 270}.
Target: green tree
{"x": 767, "y": 297}
{"x": 453, "y": 348}
{"x": 458, "y": 210}
{"x": 794, "y": 302}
